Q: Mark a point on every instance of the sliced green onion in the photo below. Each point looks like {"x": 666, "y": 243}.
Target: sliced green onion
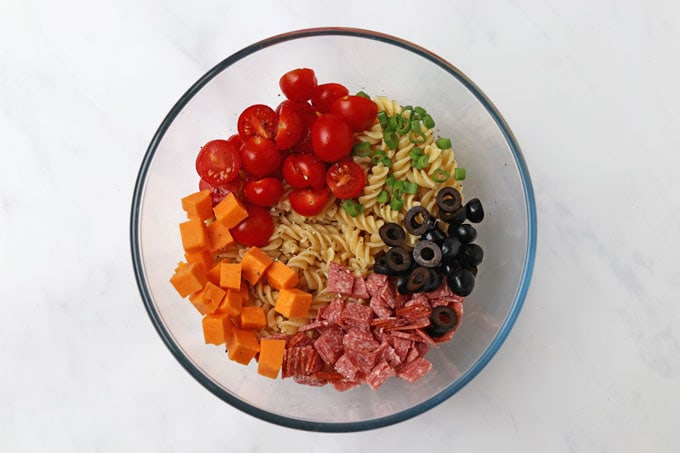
{"x": 392, "y": 123}
{"x": 396, "y": 203}
{"x": 362, "y": 149}
{"x": 387, "y": 162}
{"x": 398, "y": 189}
{"x": 352, "y": 208}
{"x": 363, "y": 95}
{"x": 415, "y": 152}
{"x": 410, "y": 187}
{"x": 391, "y": 140}
{"x": 421, "y": 162}
{"x": 383, "y": 196}
{"x": 403, "y": 126}
{"x": 416, "y": 137}
{"x": 420, "y": 111}
{"x": 428, "y": 121}
{"x": 440, "y": 175}
{"x": 459, "y": 174}
{"x": 382, "y": 119}
{"x": 443, "y": 143}
{"x": 390, "y": 180}
{"x": 415, "y": 126}
{"x": 406, "y": 107}
{"x": 416, "y": 117}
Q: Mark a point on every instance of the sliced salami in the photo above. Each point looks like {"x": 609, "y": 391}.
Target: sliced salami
{"x": 414, "y": 370}
{"x": 360, "y": 346}
{"x": 375, "y": 283}
{"x": 312, "y": 380}
{"x": 333, "y": 311}
{"x": 346, "y": 368}
{"x": 329, "y": 344}
{"x": 416, "y": 308}
{"x": 359, "y": 289}
{"x": 299, "y": 339}
{"x": 340, "y": 280}
{"x": 379, "y": 374}
{"x": 387, "y": 295}
{"x": 386, "y": 352}
{"x": 316, "y": 325}
{"x": 357, "y": 315}
{"x": 380, "y": 308}
{"x": 401, "y": 347}
{"x": 344, "y": 385}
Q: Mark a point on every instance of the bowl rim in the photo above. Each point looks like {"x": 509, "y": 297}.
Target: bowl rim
{"x": 262, "y": 414}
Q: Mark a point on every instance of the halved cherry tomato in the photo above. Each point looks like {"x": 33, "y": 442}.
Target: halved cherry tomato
{"x": 256, "y": 229}
{"x": 290, "y": 127}
{"x": 257, "y": 121}
{"x": 304, "y": 170}
{"x": 263, "y": 192}
{"x": 236, "y": 140}
{"x": 304, "y": 110}
{"x": 259, "y": 157}
{"x": 218, "y": 162}
{"x": 332, "y": 137}
{"x": 298, "y": 84}
{"x": 325, "y": 94}
{"x": 217, "y": 193}
{"x": 304, "y": 146}
{"x": 360, "y": 112}
{"x": 308, "y": 202}
{"x": 346, "y": 179}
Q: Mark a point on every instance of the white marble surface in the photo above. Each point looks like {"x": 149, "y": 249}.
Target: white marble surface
{"x": 591, "y": 92}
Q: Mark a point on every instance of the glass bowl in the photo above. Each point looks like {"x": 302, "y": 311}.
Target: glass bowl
{"x": 379, "y": 65}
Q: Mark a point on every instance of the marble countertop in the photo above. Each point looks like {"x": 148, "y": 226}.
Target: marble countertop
{"x": 591, "y": 91}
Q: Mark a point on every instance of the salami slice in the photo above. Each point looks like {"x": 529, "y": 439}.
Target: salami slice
{"x": 375, "y": 283}
{"x": 316, "y": 325}
{"x": 414, "y": 370}
{"x": 299, "y": 339}
{"x": 346, "y": 367}
{"x": 416, "y": 308}
{"x": 360, "y": 346}
{"x": 300, "y": 360}
{"x": 340, "y": 280}
{"x": 401, "y": 347}
{"x": 380, "y": 308}
{"x": 357, "y": 315}
{"x": 387, "y": 353}
{"x": 387, "y": 295}
{"x": 379, "y": 374}
{"x": 329, "y": 344}
{"x": 333, "y": 311}
{"x": 412, "y": 354}
{"x": 312, "y": 380}
{"x": 344, "y": 385}
{"x": 359, "y": 290}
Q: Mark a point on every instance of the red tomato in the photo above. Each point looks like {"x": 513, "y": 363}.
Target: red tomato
{"x": 304, "y": 110}
{"x": 298, "y": 84}
{"x": 325, "y": 94}
{"x": 217, "y": 193}
{"x": 236, "y": 140}
{"x": 290, "y": 127}
{"x": 218, "y": 162}
{"x": 264, "y": 192}
{"x": 257, "y": 121}
{"x": 308, "y": 202}
{"x": 346, "y": 179}
{"x": 304, "y": 170}
{"x": 360, "y": 112}
{"x": 332, "y": 137}
{"x": 256, "y": 229}
{"x": 259, "y": 157}
{"x": 304, "y": 146}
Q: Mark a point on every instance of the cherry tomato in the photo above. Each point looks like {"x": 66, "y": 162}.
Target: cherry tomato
{"x": 304, "y": 146}
{"x": 360, "y": 112}
{"x": 304, "y": 170}
{"x": 298, "y": 84}
{"x": 218, "y": 162}
{"x": 325, "y": 94}
{"x": 290, "y": 127}
{"x": 236, "y": 140}
{"x": 259, "y": 157}
{"x": 256, "y": 229}
{"x": 308, "y": 202}
{"x": 264, "y": 192}
{"x": 346, "y": 179}
{"x": 304, "y": 110}
{"x": 332, "y": 137}
{"x": 257, "y": 121}
{"x": 217, "y": 193}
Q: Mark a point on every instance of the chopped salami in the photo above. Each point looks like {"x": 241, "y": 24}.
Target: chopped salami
{"x": 401, "y": 347}
{"x": 375, "y": 283}
{"x": 329, "y": 344}
{"x": 313, "y": 326}
{"x": 406, "y": 335}
{"x": 415, "y": 324}
{"x": 361, "y": 348}
{"x": 333, "y": 311}
{"x": 412, "y": 354}
{"x": 312, "y": 380}
{"x": 328, "y": 375}
{"x": 300, "y": 360}
{"x": 380, "y": 307}
{"x": 346, "y": 367}
{"x": 299, "y": 339}
{"x": 359, "y": 289}
{"x": 340, "y": 280}
{"x": 422, "y": 349}
{"x": 344, "y": 385}
{"x": 379, "y": 374}
{"x": 425, "y": 337}
{"x": 387, "y": 295}
{"x": 357, "y": 315}
{"x": 416, "y": 308}
{"x": 389, "y": 323}
{"x": 414, "y": 370}
{"x": 387, "y": 352}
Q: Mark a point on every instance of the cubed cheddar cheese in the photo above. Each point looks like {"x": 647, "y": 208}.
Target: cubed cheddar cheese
{"x": 243, "y": 346}
{"x": 194, "y": 235}
{"x": 219, "y": 237}
{"x": 254, "y": 264}
{"x": 253, "y": 318}
{"x": 293, "y": 303}
{"x": 230, "y": 211}
{"x": 230, "y": 275}
{"x": 271, "y": 357}
{"x": 188, "y": 279}
{"x": 198, "y": 205}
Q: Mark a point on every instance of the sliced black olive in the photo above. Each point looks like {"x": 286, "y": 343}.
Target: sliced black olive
{"x": 450, "y": 248}
{"x": 417, "y": 279}
{"x": 448, "y": 199}
{"x": 465, "y": 232}
{"x": 442, "y": 320}
{"x": 434, "y": 233}
{"x": 402, "y": 280}
{"x": 392, "y": 234}
{"x": 454, "y": 218}
{"x": 398, "y": 259}
{"x": 380, "y": 266}
{"x": 411, "y": 220}
{"x": 447, "y": 268}
{"x": 461, "y": 282}
{"x": 473, "y": 269}
{"x": 474, "y": 210}
{"x": 427, "y": 254}
{"x": 434, "y": 282}
{"x": 470, "y": 255}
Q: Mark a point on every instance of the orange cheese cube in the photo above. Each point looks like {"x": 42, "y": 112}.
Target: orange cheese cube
{"x": 232, "y": 304}
{"x": 230, "y": 211}
{"x": 293, "y": 303}
{"x": 198, "y": 205}
{"x": 254, "y": 264}
{"x": 188, "y": 279}
{"x": 204, "y": 258}
{"x": 271, "y": 357}
{"x": 230, "y": 275}
{"x": 243, "y": 346}
{"x": 253, "y": 318}
{"x": 216, "y": 328}
{"x": 244, "y": 292}
{"x": 214, "y": 273}
{"x": 194, "y": 236}
{"x": 208, "y": 299}
{"x": 281, "y": 276}
{"x": 219, "y": 237}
